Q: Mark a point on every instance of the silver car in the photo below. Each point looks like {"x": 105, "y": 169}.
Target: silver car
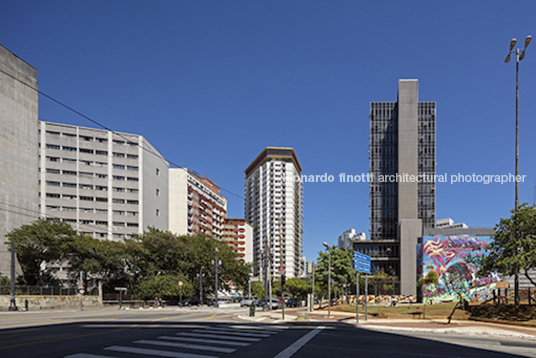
{"x": 248, "y": 301}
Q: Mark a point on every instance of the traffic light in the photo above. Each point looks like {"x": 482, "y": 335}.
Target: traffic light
{"x": 283, "y": 279}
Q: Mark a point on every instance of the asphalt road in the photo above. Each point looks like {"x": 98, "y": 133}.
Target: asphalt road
{"x": 218, "y": 333}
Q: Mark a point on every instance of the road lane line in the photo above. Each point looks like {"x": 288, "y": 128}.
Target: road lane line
{"x": 221, "y": 336}
{"x": 201, "y": 340}
{"x": 200, "y": 319}
{"x": 294, "y": 347}
{"x": 186, "y": 345}
{"x": 155, "y": 352}
{"x": 60, "y": 339}
{"x": 232, "y": 333}
{"x": 85, "y": 355}
{"x": 245, "y": 330}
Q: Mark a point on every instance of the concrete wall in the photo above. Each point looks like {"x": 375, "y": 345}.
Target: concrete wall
{"x": 410, "y": 227}
{"x": 178, "y": 201}
{"x": 51, "y": 302}
{"x": 155, "y": 184}
{"x": 18, "y": 149}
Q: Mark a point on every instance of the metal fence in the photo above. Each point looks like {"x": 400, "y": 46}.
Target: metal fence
{"x": 45, "y": 291}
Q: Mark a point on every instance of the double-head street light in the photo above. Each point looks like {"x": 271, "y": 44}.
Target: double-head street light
{"x": 329, "y": 278}
{"x": 519, "y": 57}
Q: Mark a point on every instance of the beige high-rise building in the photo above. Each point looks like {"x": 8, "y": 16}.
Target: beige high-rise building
{"x": 273, "y": 205}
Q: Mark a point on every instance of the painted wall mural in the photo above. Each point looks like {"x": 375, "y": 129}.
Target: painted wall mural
{"x": 456, "y": 260}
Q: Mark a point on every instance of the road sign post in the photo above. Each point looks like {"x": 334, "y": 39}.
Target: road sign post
{"x": 361, "y": 264}
{"x": 121, "y": 290}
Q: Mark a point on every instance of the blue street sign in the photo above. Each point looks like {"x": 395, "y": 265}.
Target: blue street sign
{"x": 361, "y": 262}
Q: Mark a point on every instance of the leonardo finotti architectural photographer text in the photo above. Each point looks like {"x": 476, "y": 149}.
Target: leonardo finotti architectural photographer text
{"x": 407, "y": 178}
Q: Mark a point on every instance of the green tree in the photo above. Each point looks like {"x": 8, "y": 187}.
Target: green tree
{"x": 298, "y": 287}
{"x": 342, "y": 271}
{"x": 257, "y": 289}
{"x": 165, "y": 286}
{"x": 513, "y": 249}
{"x": 102, "y": 260}
{"x": 41, "y": 242}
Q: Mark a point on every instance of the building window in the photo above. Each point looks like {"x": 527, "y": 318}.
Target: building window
{"x": 157, "y": 192}
{"x": 157, "y": 172}
{"x": 157, "y": 212}
{"x": 118, "y": 166}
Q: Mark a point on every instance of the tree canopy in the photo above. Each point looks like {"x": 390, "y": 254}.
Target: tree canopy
{"x": 150, "y": 264}
{"x": 513, "y": 249}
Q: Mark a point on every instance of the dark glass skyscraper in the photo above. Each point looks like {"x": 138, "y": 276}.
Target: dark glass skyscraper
{"x": 402, "y": 187}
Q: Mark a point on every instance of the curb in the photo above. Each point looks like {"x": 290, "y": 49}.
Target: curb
{"x": 452, "y": 331}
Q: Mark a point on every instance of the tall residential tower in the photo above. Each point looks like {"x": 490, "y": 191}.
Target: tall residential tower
{"x": 273, "y": 205}
{"x": 402, "y": 187}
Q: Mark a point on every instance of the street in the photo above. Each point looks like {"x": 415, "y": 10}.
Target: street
{"x": 212, "y": 332}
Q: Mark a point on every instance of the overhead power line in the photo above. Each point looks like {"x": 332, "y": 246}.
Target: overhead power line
{"x": 103, "y": 126}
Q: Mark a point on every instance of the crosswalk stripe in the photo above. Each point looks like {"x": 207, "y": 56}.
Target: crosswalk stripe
{"x": 155, "y": 352}
{"x": 249, "y": 331}
{"x": 220, "y": 336}
{"x": 85, "y": 355}
{"x": 231, "y": 333}
{"x": 201, "y": 340}
{"x": 253, "y": 328}
{"x": 187, "y": 346}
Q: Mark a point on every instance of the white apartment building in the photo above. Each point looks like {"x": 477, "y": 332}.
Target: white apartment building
{"x": 346, "y": 240}
{"x": 195, "y": 204}
{"x": 449, "y": 223}
{"x": 107, "y": 185}
{"x": 273, "y": 205}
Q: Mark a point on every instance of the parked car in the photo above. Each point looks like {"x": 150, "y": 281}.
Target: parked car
{"x": 192, "y": 302}
{"x": 291, "y": 301}
{"x": 248, "y": 301}
{"x": 273, "y": 303}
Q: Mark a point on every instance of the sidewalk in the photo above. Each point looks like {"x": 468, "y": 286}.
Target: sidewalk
{"x": 408, "y": 325}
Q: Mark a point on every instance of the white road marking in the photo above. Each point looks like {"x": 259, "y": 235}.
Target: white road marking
{"x": 186, "y": 345}
{"x": 221, "y": 336}
{"x": 84, "y": 355}
{"x": 155, "y": 352}
{"x": 249, "y": 331}
{"x": 201, "y": 340}
{"x": 231, "y": 333}
{"x": 294, "y": 347}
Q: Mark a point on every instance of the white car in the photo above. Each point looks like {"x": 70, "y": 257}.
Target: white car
{"x": 248, "y": 301}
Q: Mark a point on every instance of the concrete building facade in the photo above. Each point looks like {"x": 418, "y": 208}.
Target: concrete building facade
{"x": 402, "y": 187}
{"x": 238, "y": 234}
{"x": 18, "y": 148}
{"x": 106, "y": 184}
{"x": 346, "y": 240}
{"x": 273, "y": 204}
{"x": 195, "y": 204}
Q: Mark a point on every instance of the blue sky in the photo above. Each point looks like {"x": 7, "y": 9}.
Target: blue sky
{"x": 211, "y": 83}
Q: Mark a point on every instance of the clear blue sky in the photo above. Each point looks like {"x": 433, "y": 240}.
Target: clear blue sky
{"x": 211, "y": 83}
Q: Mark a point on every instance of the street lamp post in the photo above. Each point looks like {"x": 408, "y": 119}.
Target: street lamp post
{"x": 329, "y": 278}
{"x": 216, "y": 282}
{"x": 519, "y": 57}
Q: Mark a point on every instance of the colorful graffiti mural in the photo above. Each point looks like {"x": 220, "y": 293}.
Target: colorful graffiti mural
{"x": 381, "y": 299}
{"x": 456, "y": 260}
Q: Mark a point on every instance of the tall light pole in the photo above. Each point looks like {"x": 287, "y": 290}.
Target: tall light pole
{"x": 519, "y": 57}
{"x": 329, "y": 278}
{"x": 216, "y": 263}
